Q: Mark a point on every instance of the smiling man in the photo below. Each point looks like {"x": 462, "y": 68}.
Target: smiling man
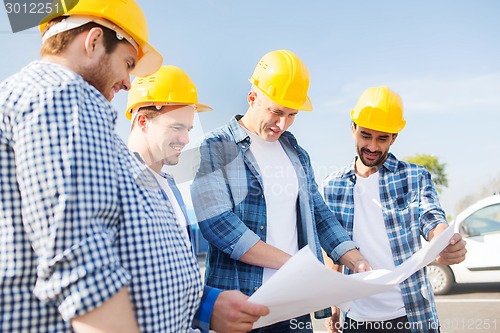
{"x": 77, "y": 234}
{"x": 255, "y": 196}
{"x": 162, "y": 108}
{"x": 386, "y": 205}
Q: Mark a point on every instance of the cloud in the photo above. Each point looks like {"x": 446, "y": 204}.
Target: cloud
{"x": 430, "y": 94}
{"x": 445, "y": 95}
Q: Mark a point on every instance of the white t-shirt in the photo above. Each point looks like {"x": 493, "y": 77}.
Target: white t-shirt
{"x": 181, "y": 220}
{"x": 370, "y": 235}
{"x": 280, "y": 192}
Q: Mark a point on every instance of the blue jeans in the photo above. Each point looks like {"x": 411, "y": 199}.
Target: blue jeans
{"x": 302, "y": 324}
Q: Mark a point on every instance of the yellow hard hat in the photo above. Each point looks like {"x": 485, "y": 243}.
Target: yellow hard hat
{"x": 379, "y": 109}
{"x": 125, "y": 17}
{"x": 170, "y": 85}
{"x": 284, "y": 78}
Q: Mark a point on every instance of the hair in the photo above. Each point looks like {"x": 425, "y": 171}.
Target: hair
{"x": 59, "y": 42}
{"x": 149, "y": 112}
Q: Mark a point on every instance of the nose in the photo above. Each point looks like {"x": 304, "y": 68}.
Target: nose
{"x": 372, "y": 145}
{"x": 184, "y": 137}
{"x": 126, "y": 84}
{"x": 281, "y": 123}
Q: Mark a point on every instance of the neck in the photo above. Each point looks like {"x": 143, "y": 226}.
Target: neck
{"x": 135, "y": 145}
{"x": 64, "y": 59}
{"x": 363, "y": 170}
{"x": 245, "y": 122}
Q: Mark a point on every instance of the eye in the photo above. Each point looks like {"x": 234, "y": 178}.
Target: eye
{"x": 130, "y": 65}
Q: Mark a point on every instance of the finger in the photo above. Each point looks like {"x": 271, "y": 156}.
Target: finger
{"x": 454, "y": 254}
{"x": 255, "y": 310}
{"x": 456, "y": 247}
{"x": 455, "y": 239}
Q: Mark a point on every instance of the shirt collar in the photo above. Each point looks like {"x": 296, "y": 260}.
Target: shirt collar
{"x": 239, "y": 133}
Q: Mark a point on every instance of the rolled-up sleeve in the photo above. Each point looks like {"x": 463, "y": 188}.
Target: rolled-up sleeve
{"x": 214, "y": 199}
{"x": 65, "y": 169}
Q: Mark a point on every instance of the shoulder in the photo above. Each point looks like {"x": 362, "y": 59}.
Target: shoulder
{"x": 41, "y": 80}
{"x": 338, "y": 176}
{"x": 219, "y": 134}
{"x": 397, "y": 165}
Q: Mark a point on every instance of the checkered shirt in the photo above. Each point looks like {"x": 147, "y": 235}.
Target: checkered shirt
{"x": 411, "y": 208}
{"x": 231, "y": 209}
{"x": 75, "y": 227}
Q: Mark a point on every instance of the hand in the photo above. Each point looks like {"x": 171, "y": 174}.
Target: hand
{"x": 355, "y": 261}
{"x": 333, "y": 324}
{"x": 233, "y": 313}
{"x": 455, "y": 252}
{"x": 361, "y": 266}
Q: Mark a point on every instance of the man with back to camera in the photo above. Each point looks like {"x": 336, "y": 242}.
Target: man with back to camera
{"x": 83, "y": 247}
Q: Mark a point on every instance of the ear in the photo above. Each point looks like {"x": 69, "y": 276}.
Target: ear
{"x": 252, "y": 96}
{"x": 353, "y": 130}
{"x": 93, "y": 40}
{"x": 394, "y": 136}
{"x": 142, "y": 122}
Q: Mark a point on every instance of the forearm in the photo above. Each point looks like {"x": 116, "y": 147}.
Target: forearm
{"x": 265, "y": 255}
{"x": 114, "y": 315}
{"x": 437, "y": 230}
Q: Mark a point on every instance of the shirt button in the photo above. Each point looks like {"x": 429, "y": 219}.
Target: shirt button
{"x": 261, "y": 227}
{"x": 255, "y": 289}
{"x": 243, "y": 147}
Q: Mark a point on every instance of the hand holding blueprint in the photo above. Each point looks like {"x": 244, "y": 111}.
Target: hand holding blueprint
{"x": 304, "y": 285}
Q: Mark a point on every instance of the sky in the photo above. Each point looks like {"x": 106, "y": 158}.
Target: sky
{"x": 441, "y": 56}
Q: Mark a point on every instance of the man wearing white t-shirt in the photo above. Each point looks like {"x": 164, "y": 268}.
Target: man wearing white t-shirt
{"x": 386, "y": 205}
{"x": 161, "y": 107}
{"x": 255, "y": 196}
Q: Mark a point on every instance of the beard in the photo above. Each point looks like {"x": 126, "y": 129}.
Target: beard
{"x": 100, "y": 77}
{"x": 372, "y": 163}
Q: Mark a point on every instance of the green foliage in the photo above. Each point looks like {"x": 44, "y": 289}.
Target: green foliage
{"x": 436, "y": 169}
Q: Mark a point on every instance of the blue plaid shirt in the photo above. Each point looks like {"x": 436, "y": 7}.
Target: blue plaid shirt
{"x": 410, "y": 208}
{"x": 230, "y": 207}
{"x": 75, "y": 227}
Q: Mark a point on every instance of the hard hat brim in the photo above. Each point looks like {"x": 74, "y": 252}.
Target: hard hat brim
{"x": 150, "y": 61}
{"x": 203, "y": 107}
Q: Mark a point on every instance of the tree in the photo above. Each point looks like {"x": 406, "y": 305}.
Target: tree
{"x": 490, "y": 188}
{"x": 436, "y": 169}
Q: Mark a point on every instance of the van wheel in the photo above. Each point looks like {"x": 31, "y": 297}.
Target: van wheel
{"x": 441, "y": 278}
